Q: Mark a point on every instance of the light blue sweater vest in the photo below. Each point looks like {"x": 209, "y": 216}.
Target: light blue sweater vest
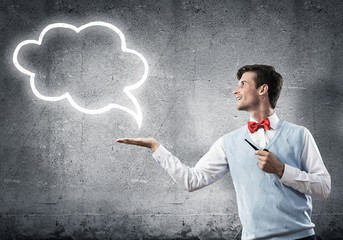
{"x": 268, "y": 209}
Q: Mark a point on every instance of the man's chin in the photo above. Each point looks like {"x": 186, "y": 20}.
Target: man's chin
{"x": 241, "y": 108}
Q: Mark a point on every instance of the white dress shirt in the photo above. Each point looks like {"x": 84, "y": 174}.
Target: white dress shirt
{"x": 315, "y": 180}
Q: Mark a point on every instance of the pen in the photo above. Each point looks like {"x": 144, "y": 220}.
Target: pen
{"x": 253, "y": 146}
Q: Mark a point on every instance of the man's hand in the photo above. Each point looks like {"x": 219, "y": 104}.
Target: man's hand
{"x": 143, "y": 142}
{"x": 269, "y": 163}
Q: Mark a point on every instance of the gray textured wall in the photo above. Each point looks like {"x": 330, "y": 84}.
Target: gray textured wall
{"x": 62, "y": 174}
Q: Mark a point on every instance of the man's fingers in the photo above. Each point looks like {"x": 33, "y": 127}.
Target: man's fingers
{"x": 143, "y": 142}
{"x": 129, "y": 140}
{"x": 261, "y": 152}
{"x": 261, "y": 157}
{"x": 125, "y": 140}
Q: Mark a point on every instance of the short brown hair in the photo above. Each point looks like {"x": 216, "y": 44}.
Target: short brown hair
{"x": 265, "y": 75}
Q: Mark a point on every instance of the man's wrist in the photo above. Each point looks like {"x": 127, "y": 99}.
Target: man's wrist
{"x": 281, "y": 171}
{"x": 154, "y": 146}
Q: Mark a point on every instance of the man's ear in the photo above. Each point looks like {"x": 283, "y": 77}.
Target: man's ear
{"x": 263, "y": 89}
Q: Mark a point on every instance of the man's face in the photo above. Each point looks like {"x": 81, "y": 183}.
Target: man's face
{"x": 247, "y": 97}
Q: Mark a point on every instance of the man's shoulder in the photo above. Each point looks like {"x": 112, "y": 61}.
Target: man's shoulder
{"x": 291, "y": 125}
{"x": 236, "y": 132}
{"x": 287, "y": 128}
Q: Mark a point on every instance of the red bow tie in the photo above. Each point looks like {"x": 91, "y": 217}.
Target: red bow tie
{"x": 253, "y": 126}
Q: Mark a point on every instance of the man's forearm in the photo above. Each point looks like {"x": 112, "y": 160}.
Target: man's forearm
{"x": 209, "y": 169}
{"x": 311, "y": 184}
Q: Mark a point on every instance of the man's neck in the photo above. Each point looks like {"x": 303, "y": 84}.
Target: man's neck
{"x": 260, "y": 115}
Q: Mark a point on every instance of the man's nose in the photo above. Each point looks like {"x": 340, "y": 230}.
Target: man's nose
{"x": 235, "y": 91}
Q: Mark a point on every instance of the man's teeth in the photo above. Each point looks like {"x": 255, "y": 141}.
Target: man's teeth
{"x": 238, "y": 98}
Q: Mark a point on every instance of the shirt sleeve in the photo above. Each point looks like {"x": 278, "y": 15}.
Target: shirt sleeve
{"x": 315, "y": 179}
{"x": 209, "y": 169}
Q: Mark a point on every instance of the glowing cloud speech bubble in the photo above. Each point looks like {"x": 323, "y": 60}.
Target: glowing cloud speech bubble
{"x": 137, "y": 115}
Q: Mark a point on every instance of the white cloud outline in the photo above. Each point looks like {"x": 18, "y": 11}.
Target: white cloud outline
{"x": 137, "y": 115}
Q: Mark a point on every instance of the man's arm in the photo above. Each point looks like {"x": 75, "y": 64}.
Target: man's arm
{"x": 209, "y": 169}
{"x": 315, "y": 179}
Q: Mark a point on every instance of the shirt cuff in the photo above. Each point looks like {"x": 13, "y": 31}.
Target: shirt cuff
{"x": 161, "y": 155}
{"x": 289, "y": 174}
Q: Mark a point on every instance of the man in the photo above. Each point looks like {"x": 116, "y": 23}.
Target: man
{"x": 273, "y": 185}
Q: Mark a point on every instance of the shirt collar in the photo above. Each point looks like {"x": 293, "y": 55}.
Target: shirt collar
{"x": 274, "y": 120}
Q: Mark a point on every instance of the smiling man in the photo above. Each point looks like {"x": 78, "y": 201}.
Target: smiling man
{"x": 273, "y": 185}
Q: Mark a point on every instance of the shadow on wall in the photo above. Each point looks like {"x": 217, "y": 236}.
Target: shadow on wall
{"x": 321, "y": 104}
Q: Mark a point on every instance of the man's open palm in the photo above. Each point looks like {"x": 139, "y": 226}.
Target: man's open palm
{"x": 143, "y": 142}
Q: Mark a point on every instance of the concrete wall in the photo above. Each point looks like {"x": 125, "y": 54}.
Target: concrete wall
{"x": 63, "y": 176}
